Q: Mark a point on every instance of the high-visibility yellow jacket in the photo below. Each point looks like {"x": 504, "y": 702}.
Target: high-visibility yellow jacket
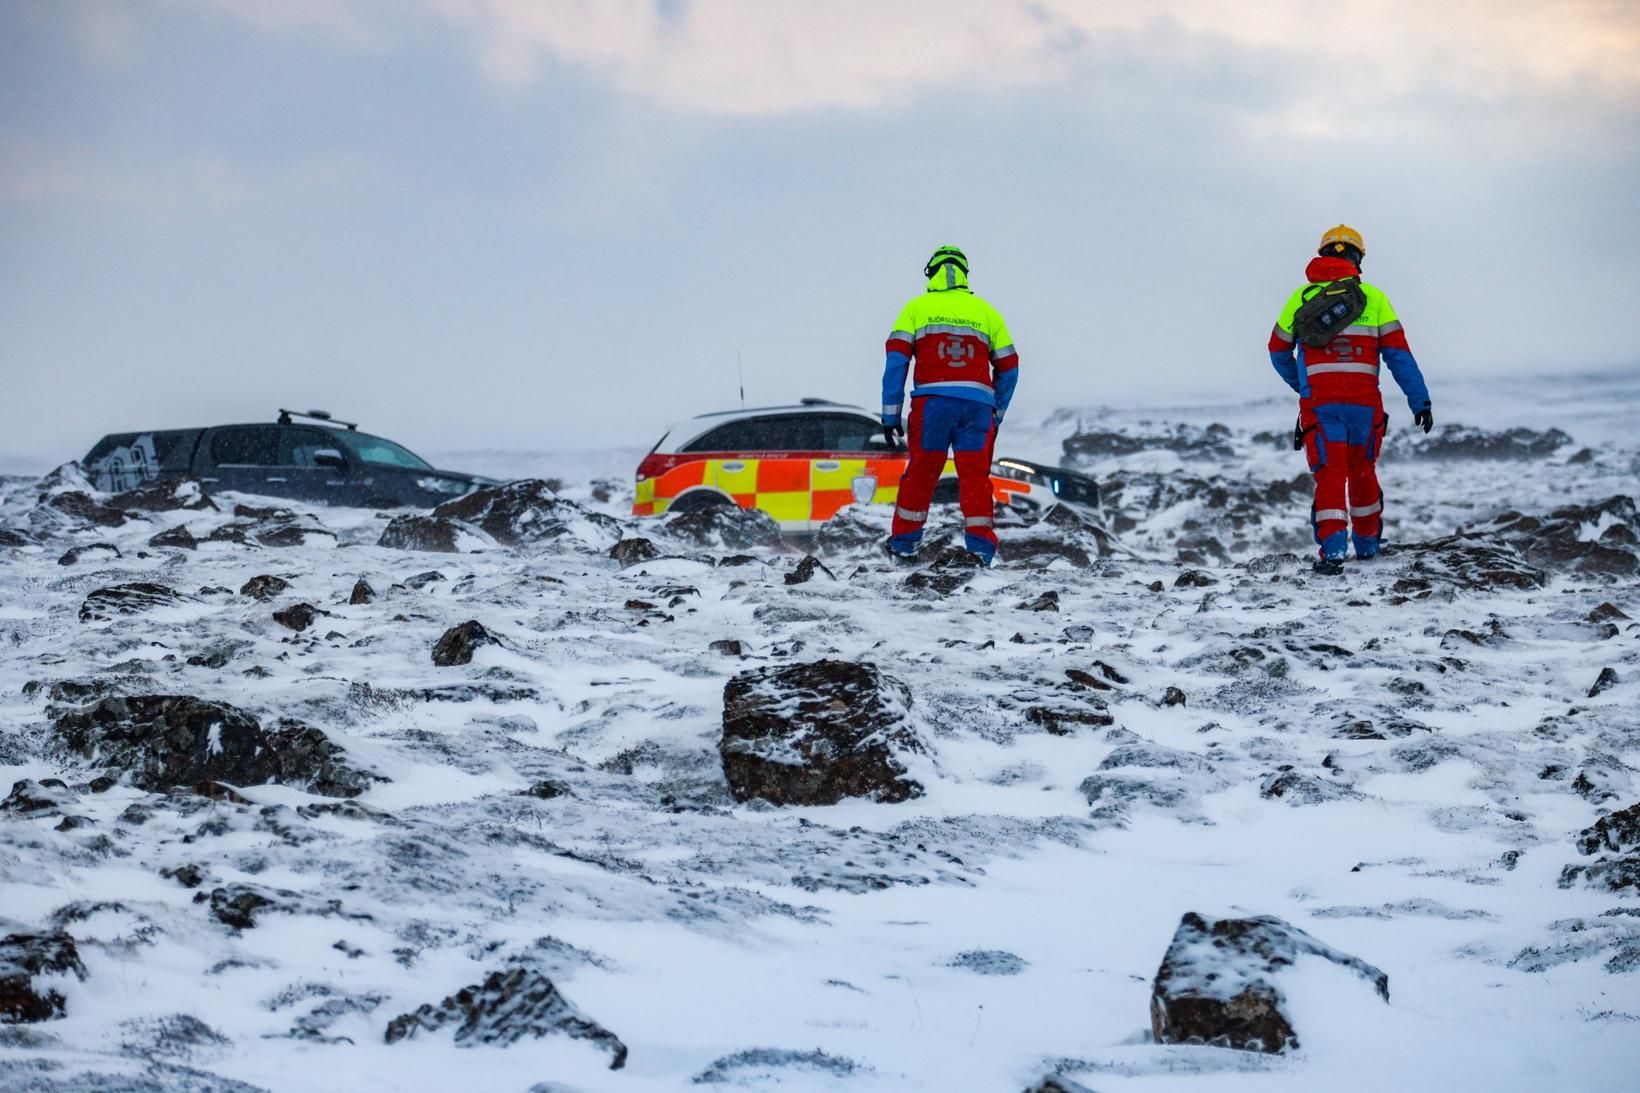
{"x": 961, "y": 347}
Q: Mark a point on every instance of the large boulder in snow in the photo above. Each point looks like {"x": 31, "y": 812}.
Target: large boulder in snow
{"x": 1213, "y": 442}
{"x": 506, "y": 1008}
{"x": 129, "y": 599}
{"x": 23, "y": 956}
{"x": 1217, "y": 983}
{"x": 1063, "y": 532}
{"x": 415, "y": 531}
{"x": 722, "y": 527}
{"x": 1481, "y": 563}
{"x": 527, "y": 512}
{"x": 458, "y": 644}
{"x": 174, "y": 740}
{"x": 1600, "y": 538}
{"x": 813, "y": 734}
{"x": 271, "y": 527}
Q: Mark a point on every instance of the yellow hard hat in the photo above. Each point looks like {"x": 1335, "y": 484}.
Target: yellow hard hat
{"x": 1335, "y": 239}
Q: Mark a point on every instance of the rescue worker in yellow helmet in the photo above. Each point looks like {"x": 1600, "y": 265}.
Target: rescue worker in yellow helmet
{"x": 1334, "y": 370}
{"x": 964, "y": 376}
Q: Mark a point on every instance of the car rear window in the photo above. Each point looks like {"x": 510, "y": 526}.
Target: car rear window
{"x": 246, "y": 446}
{"x": 776, "y": 433}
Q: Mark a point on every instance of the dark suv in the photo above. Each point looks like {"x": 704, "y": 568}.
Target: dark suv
{"x": 318, "y": 459}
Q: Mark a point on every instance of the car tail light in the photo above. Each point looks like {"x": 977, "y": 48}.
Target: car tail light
{"x": 651, "y": 466}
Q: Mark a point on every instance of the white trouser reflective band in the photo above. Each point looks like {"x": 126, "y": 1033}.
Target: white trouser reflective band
{"x": 1330, "y": 514}
{"x": 1318, "y": 369}
{"x": 911, "y": 514}
{"x": 978, "y": 522}
{"x": 1367, "y": 510}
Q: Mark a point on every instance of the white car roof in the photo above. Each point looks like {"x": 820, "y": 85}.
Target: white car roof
{"x": 687, "y": 431}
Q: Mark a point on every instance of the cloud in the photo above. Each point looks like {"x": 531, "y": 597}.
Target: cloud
{"x": 34, "y": 172}
{"x": 740, "y": 58}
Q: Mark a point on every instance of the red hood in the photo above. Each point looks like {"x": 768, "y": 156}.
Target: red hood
{"x": 1330, "y": 269}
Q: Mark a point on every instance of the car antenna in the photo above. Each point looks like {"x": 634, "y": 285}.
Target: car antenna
{"x": 741, "y": 369}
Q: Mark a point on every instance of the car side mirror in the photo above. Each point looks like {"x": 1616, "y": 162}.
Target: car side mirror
{"x": 329, "y": 457}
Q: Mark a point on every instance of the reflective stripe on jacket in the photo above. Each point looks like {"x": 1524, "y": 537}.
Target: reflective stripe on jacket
{"x": 1345, "y": 370}
{"x": 953, "y": 343}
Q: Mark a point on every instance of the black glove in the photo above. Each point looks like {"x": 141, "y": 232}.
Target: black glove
{"x": 1298, "y": 435}
{"x": 894, "y": 435}
{"x": 1424, "y": 419}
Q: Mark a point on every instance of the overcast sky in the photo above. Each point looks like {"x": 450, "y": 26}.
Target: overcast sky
{"x": 551, "y": 223}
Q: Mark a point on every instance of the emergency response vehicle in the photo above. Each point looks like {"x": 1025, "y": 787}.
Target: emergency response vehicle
{"x": 801, "y": 464}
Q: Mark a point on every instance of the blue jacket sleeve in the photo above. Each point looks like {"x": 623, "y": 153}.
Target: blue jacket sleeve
{"x": 1407, "y": 377}
{"x": 894, "y": 370}
{"x": 1004, "y": 385}
{"x": 1286, "y": 367}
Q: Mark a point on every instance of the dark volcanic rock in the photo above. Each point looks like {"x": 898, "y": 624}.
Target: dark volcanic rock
{"x": 297, "y": 617}
{"x": 165, "y": 495}
{"x": 1605, "y": 681}
{"x": 174, "y": 740}
{"x": 766, "y": 1067}
{"x": 47, "y": 797}
{"x": 129, "y": 599}
{"x": 362, "y": 593}
{"x": 460, "y": 642}
{"x": 950, "y": 570}
{"x": 413, "y": 531}
{"x": 1063, "y": 532}
{"x": 1216, "y": 984}
{"x": 809, "y": 734}
{"x": 1468, "y": 442}
{"x": 524, "y": 512}
{"x": 239, "y": 905}
{"x": 723, "y": 527}
{"x": 1601, "y": 538}
{"x": 177, "y": 537}
{"x": 507, "y": 1007}
{"x": 79, "y": 506}
{"x": 265, "y": 587}
{"x": 632, "y": 551}
{"x": 1057, "y": 1083}
{"x": 1297, "y": 788}
{"x": 1194, "y": 578}
{"x": 100, "y": 552}
{"x": 1469, "y": 561}
{"x": 13, "y": 537}
{"x": 1619, "y": 833}
{"x": 1212, "y": 442}
{"x": 806, "y": 569}
{"x": 24, "y": 956}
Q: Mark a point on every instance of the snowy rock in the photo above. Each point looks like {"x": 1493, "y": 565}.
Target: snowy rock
{"x": 129, "y": 599}
{"x": 632, "y": 551}
{"x": 174, "y": 740}
{"x": 988, "y": 962}
{"x": 177, "y": 537}
{"x": 1297, "y": 788}
{"x": 1605, "y": 681}
{"x": 1217, "y": 983}
{"x": 813, "y": 734}
{"x": 528, "y": 512}
{"x": 239, "y": 905}
{"x": 165, "y": 495}
{"x": 61, "y": 511}
{"x": 1601, "y": 538}
{"x": 458, "y": 644}
{"x": 1212, "y": 442}
{"x": 270, "y": 527}
{"x": 47, "y": 797}
{"x": 1057, "y": 1083}
{"x": 297, "y": 617}
{"x": 507, "y": 1007}
{"x": 950, "y": 570}
{"x": 1618, "y": 833}
{"x": 1467, "y": 561}
{"x": 16, "y": 538}
{"x": 806, "y": 569}
{"x": 1194, "y": 578}
{"x": 23, "y": 956}
{"x": 413, "y": 531}
{"x": 89, "y": 551}
{"x": 1468, "y": 442}
{"x": 1063, "y": 532}
{"x": 362, "y": 593}
{"x": 179, "y": 1036}
{"x": 264, "y": 587}
{"x": 723, "y": 527}
{"x": 763, "y": 1067}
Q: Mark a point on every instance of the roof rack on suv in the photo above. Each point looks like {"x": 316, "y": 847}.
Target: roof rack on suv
{"x": 316, "y": 415}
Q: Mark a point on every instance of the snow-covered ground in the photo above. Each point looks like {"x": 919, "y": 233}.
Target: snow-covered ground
{"x": 560, "y": 804}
